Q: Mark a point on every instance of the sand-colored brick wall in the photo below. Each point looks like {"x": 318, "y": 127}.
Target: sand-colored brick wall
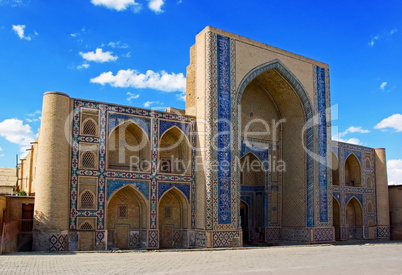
{"x": 381, "y": 187}
{"x": 395, "y": 209}
{"x": 52, "y": 175}
{"x": 8, "y": 180}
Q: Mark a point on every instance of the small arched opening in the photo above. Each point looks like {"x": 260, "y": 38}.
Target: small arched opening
{"x": 173, "y": 219}
{"x": 336, "y": 217}
{"x": 335, "y": 169}
{"x": 354, "y": 219}
{"x": 129, "y": 148}
{"x": 126, "y": 218}
{"x": 174, "y": 152}
{"x": 352, "y": 171}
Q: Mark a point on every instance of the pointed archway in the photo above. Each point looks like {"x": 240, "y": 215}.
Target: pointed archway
{"x": 353, "y": 171}
{"x": 173, "y": 219}
{"x": 271, "y": 98}
{"x": 354, "y": 219}
{"x": 174, "y": 152}
{"x": 129, "y": 148}
{"x": 336, "y": 218}
{"x": 252, "y": 186}
{"x": 126, "y": 219}
{"x": 244, "y": 221}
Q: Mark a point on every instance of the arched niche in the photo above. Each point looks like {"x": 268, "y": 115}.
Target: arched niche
{"x": 174, "y": 152}
{"x": 354, "y": 218}
{"x": 335, "y": 169}
{"x": 336, "y": 217}
{"x": 352, "y": 171}
{"x": 272, "y": 94}
{"x": 173, "y": 218}
{"x": 252, "y": 171}
{"x": 129, "y": 148}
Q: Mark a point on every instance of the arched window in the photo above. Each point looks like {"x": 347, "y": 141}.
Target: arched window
{"x": 370, "y": 207}
{"x": 90, "y": 127}
{"x": 174, "y": 152}
{"x": 88, "y": 160}
{"x": 129, "y": 148}
{"x": 352, "y": 171}
{"x": 335, "y": 169}
{"x": 252, "y": 171}
{"x": 369, "y": 182}
{"x": 86, "y": 226}
{"x": 368, "y": 163}
{"x": 87, "y": 200}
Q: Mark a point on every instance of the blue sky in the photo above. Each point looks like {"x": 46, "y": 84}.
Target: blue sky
{"x": 136, "y": 52}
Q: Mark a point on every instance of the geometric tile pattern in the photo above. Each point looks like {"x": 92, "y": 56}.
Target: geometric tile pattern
{"x": 224, "y": 130}
{"x": 323, "y": 234}
{"x": 134, "y": 239}
{"x": 200, "y": 239}
{"x": 58, "y": 242}
{"x": 322, "y": 146}
{"x": 272, "y": 234}
{"x": 221, "y": 190}
{"x": 153, "y": 240}
{"x": 163, "y": 187}
{"x": 383, "y": 232}
{"x": 223, "y": 238}
{"x": 295, "y": 234}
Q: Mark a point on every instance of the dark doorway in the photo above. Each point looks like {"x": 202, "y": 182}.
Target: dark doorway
{"x": 27, "y": 217}
{"x": 244, "y": 221}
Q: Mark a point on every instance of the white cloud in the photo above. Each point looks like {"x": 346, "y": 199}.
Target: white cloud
{"x": 156, "y": 5}
{"x": 127, "y": 55}
{"x": 1, "y": 149}
{"x": 83, "y": 66}
{"x": 74, "y": 34}
{"x": 35, "y": 116}
{"x": 382, "y": 86}
{"x": 394, "y": 121}
{"x": 131, "y": 78}
{"x": 149, "y": 103}
{"x": 118, "y": 45}
{"x": 131, "y": 96}
{"x": 381, "y": 36}
{"x": 14, "y": 3}
{"x": 182, "y": 97}
{"x": 16, "y": 132}
{"x": 353, "y": 129}
{"x": 394, "y": 170}
{"x": 20, "y": 31}
{"x": 99, "y": 56}
{"x": 351, "y": 140}
{"x": 373, "y": 39}
{"x": 119, "y": 5}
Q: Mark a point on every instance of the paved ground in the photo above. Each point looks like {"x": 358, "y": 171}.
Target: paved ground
{"x": 330, "y": 259}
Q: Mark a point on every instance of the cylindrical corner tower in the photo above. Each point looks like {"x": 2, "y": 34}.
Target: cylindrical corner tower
{"x": 382, "y": 193}
{"x": 52, "y": 182}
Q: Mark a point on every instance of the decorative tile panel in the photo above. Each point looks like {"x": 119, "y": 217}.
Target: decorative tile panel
{"x": 322, "y": 145}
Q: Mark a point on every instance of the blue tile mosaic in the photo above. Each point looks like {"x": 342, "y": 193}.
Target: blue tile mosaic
{"x": 165, "y": 186}
{"x": 115, "y": 119}
{"x": 322, "y": 145}
{"x": 113, "y": 185}
{"x": 224, "y": 130}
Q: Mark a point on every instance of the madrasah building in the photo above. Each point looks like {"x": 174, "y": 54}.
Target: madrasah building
{"x": 249, "y": 161}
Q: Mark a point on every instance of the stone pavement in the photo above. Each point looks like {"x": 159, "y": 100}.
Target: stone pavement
{"x": 315, "y": 259}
